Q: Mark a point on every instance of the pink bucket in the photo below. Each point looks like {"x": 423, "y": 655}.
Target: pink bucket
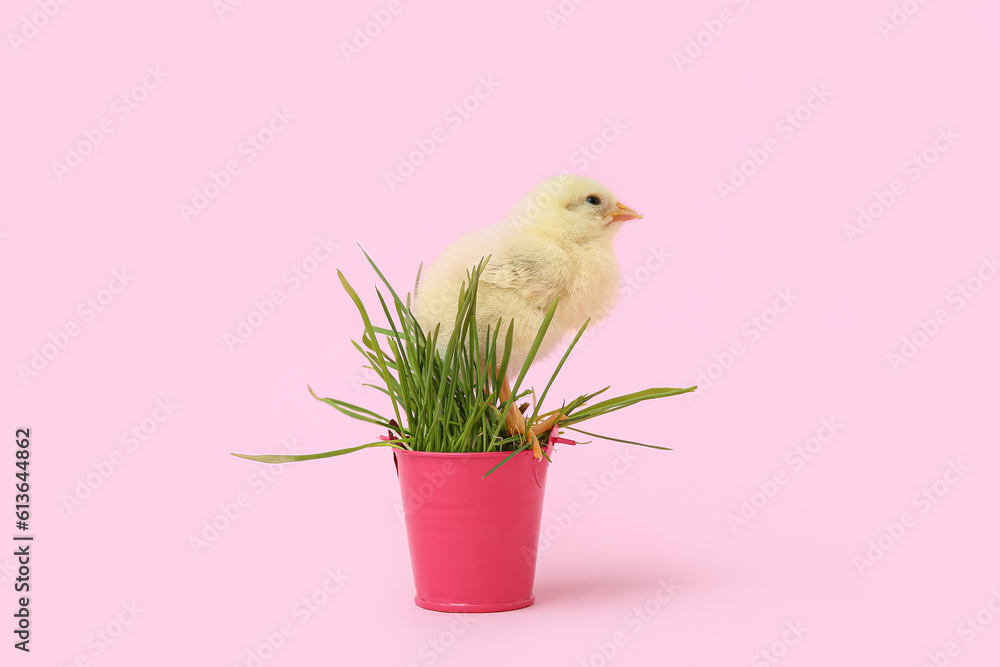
{"x": 473, "y": 541}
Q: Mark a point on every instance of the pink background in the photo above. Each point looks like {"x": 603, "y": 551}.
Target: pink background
{"x": 666, "y": 516}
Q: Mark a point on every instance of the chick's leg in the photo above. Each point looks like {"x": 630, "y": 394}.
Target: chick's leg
{"x": 543, "y": 426}
{"x": 515, "y": 420}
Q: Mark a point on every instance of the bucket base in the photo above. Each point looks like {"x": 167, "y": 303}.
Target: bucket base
{"x": 474, "y": 608}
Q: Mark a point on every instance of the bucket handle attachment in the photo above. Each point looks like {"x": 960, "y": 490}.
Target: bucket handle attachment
{"x": 394, "y": 461}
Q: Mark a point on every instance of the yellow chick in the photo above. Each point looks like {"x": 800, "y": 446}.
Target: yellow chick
{"x": 557, "y": 242}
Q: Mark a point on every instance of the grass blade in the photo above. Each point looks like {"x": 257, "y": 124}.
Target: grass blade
{"x": 371, "y": 334}
{"x": 512, "y": 455}
{"x": 608, "y": 437}
{"x": 292, "y": 458}
{"x": 545, "y": 392}
{"x": 625, "y": 401}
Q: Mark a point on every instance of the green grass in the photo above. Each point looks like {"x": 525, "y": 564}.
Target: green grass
{"x": 450, "y": 402}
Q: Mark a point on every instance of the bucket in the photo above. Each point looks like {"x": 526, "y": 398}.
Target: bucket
{"x": 473, "y": 541}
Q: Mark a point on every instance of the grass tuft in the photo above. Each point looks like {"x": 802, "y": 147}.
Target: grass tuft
{"x": 450, "y": 402}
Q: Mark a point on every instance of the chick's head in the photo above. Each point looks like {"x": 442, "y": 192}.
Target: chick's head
{"x": 575, "y": 206}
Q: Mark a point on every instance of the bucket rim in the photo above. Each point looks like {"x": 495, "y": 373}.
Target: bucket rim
{"x": 474, "y": 455}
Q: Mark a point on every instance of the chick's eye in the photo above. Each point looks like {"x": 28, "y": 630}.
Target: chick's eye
{"x": 594, "y": 200}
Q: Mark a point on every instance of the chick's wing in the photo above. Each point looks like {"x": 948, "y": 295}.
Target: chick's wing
{"x": 531, "y": 274}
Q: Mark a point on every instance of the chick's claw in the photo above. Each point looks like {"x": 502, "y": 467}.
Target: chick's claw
{"x": 514, "y": 420}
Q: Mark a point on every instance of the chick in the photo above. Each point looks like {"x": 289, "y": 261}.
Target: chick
{"x": 557, "y": 242}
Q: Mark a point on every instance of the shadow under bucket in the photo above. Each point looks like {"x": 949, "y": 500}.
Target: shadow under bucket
{"x": 473, "y": 541}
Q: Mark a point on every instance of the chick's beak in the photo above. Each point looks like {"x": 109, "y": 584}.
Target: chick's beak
{"x": 624, "y": 213}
